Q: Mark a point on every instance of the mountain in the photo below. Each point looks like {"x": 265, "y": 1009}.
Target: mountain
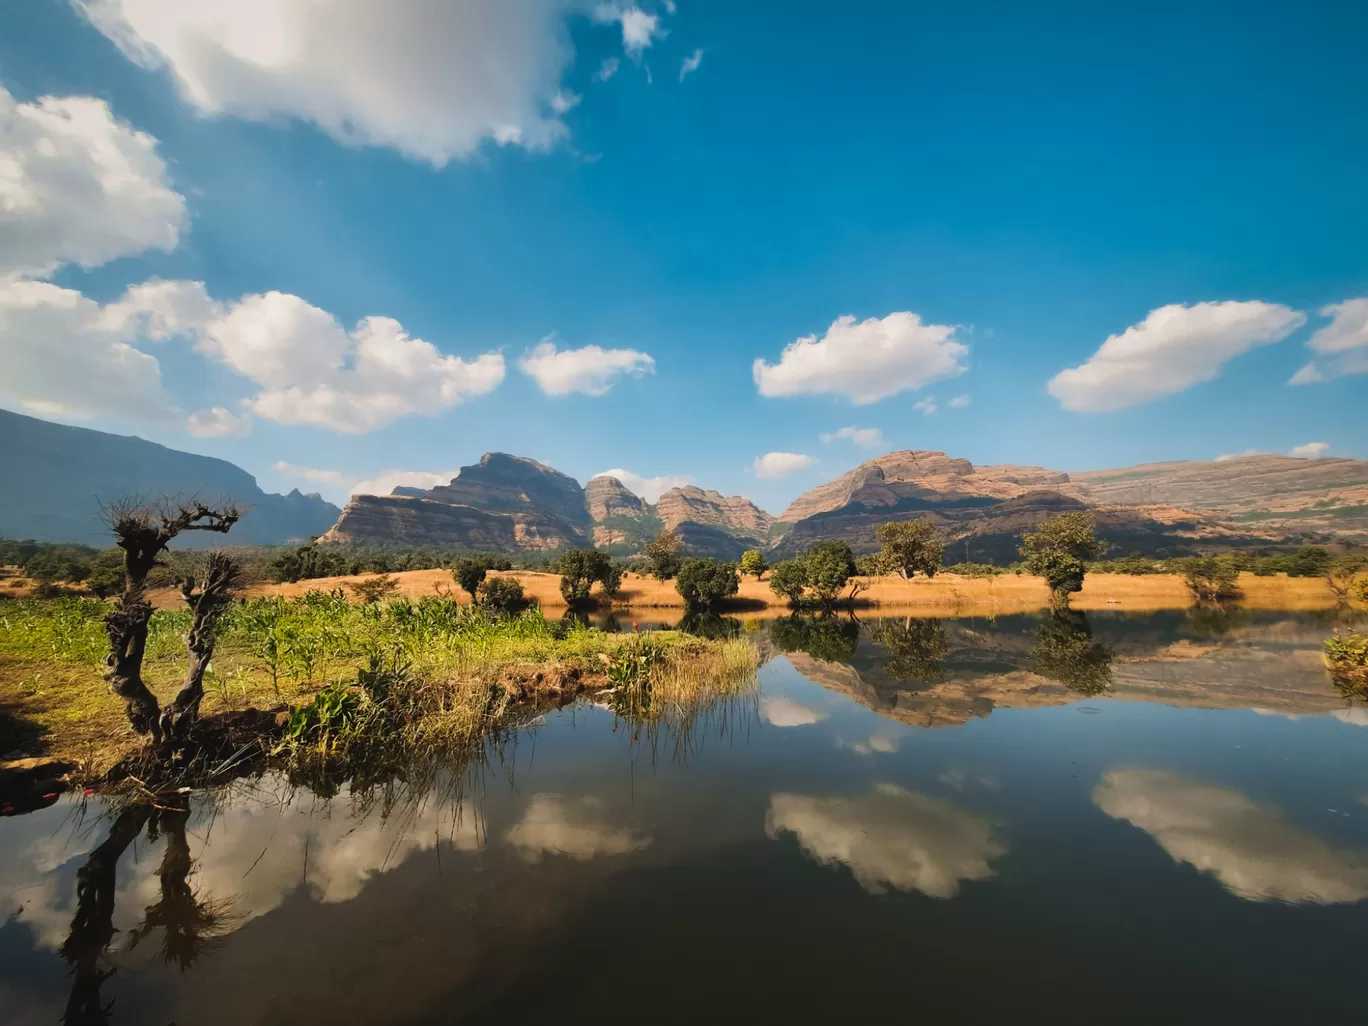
{"x": 56, "y": 477}
{"x": 1168, "y": 508}
{"x": 730, "y": 513}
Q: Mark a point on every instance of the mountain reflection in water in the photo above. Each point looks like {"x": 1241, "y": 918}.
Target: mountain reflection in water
{"x": 815, "y": 834}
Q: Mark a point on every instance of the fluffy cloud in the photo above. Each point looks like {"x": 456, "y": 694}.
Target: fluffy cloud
{"x": 865, "y": 361}
{"x": 430, "y": 78}
{"x": 79, "y": 187}
{"x": 607, "y": 69}
{"x": 875, "y": 743}
{"x": 62, "y": 354}
{"x": 781, "y": 464}
{"x": 867, "y": 438}
{"x": 890, "y": 838}
{"x": 1243, "y": 455}
{"x": 1249, "y": 848}
{"x": 779, "y": 711}
{"x": 387, "y": 481}
{"x": 1173, "y": 348}
{"x": 690, "y": 64}
{"x": 313, "y": 474}
{"x": 218, "y": 423}
{"x": 639, "y": 29}
{"x": 1309, "y": 451}
{"x": 553, "y": 825}
{"x": 591, "y": 370}
{"x": 959, "y": 402}
{"x": 648, "y": 488}
{"x": 927, "y": 406}
{"x": 312, "y": 371}
{"x": 1342, "y": 344}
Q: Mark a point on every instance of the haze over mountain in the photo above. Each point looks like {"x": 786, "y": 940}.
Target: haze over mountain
{"x": 56, "y": 478}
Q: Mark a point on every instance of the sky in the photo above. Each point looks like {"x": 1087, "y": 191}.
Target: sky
{"x": 741, "y": 244}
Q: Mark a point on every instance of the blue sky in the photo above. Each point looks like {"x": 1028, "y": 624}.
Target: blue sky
{"x": 997, "y": 190}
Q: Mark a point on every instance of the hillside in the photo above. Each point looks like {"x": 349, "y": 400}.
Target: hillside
{"x": 56, "y": 477}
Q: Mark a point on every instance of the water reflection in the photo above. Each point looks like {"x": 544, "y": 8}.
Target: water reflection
{"x": 890, "y": 838}
{"x": 1253, "y": 851}
{"x": 782, "y": 711}
{"x": 916, "y": 647}
{"x": 577, "y": 828}
{"x": 1066, "y": 652}
{"x": 830, "y": 638}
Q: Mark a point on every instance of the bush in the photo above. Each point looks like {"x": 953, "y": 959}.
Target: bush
{"x": 469, "y": 573}
{"x": 375, "y": 589}
{"x": 975, "y": 570}
{"x": 788, "y": 579}
{"x": 309, "y": 562}
{"x": 1213, "y": 579}
{"x": 1060, "y": 551}
{"x": 662, "y": 552}
{"x": 1346, "y": 657}
{"x": 703, "y": 583}
{"x": 612, "y": 580}
{"x": 909, "y": 547}
{"x": 753, "y": 563}
{"x": 501, "y": 595}
{"x": 579, "y": 569}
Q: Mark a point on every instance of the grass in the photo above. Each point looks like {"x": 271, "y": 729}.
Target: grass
{"x": 452, "y": 672}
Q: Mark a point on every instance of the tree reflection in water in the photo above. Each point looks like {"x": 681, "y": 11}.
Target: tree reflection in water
{"x": 710, "y": 626}
{"x": 1066, "y": 652}
{"x": 916, "y": 647}
{"x": 828, "y": 638}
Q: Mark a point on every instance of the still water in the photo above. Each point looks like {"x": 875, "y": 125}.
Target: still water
{"x": 935, "y": 821}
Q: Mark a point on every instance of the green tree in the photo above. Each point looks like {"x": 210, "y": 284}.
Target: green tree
{"x": 579, "y": 569}
{"x": 501, "y": 595}
{"x": 612, "y": 580}
{"x": 469, "y": 573}
{"x": 753, "y": 563}
{"x": 1060, "y": 551}
{"x": 1341, "y": 575}
{"x": 1311, "y": 561}
{"x": 375, "y": 589}
{"x": 909, "y": 547}
{"x": 703, "y": 583}
{"x": 1065, "y": 651}
{"x": 828, "y": 566}
{"x": 788, "y": 580}
{"x": 1213, "y": 579}
{"x": 662, "y": 552}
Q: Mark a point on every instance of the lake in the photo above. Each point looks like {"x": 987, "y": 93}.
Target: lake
{"x": 1070, "y": 818}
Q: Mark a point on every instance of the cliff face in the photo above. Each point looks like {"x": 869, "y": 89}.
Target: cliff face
{"x": 921, "y": 474}
{"x": 731, "y": 513}
{"x": 500, "y": 483}
{"x": 607, "y": 497}
{"x": 397, "y": 518}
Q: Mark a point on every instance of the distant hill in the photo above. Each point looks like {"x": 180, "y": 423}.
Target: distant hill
{"x": 55, "y": 478}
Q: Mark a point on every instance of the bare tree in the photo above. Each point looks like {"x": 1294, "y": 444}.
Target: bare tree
{"x": 144, "y": 531}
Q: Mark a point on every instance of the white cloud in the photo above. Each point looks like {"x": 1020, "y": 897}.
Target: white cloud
{"x": 218, "y": 423}
{"x": 865, "y": 361}
{"x": 639, "y": 29}
{"x": 780, "y": 711}
{"x": 648, "y": 488}
{"x": 1173, "y": 348}
{"x": 690, "y": 64}
{"x": 1227, "y": 456}
{"x": 927, "y": 406}
{"x": 1344, "y": 343}
{"x": 875, "y": 743}
{"x": 890, "y": 838}
{"x": 430, "y": 78}
{"x": 781, "y": 464}
{"x": 62, "y": 354}
{"x": 867, "y": 438}
{"x": 1251, "y": 849}
{"x": 387, "y": 481}
{"x": 1309, "y": 451}
{"x": 565, "y": 101}
{"x": 590, "y": 371}
{"x": 313, "y": 474}
{"x": 607, "y": 69}
{"x": 959, "y": 402}
{"x": 312, "y": 371}
{"x": 553, "y": 825}
{"x": 79, "y": 187}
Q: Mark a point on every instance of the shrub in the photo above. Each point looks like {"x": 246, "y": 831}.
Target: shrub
{"x": 828, "y": 566}
{"x": 909, "y": 547}
{"x": 1340, "y": 574}
{"x": 1346, "y": 657}
{"x": 501, "y": 595}
{"x": 579, "y": 569}
{"x": 976, "y": 570}
{"x": 612, "y": 580}
{"x": 469, "y": 573}
{"x": 703, "y": 583}
{"x": 309, "y": 562}
{"x": 1060, "y": 551}
{"x": 662, "y": 552}
{"x": 788, "y": 579}
{"x": 753, "y": 563}
{"x": 375, "y": 589}
{"x": 1213, "y": 579}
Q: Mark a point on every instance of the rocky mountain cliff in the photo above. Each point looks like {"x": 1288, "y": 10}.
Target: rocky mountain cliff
{"x": 56, "y": 477}
{"x": 733, "y": 514}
